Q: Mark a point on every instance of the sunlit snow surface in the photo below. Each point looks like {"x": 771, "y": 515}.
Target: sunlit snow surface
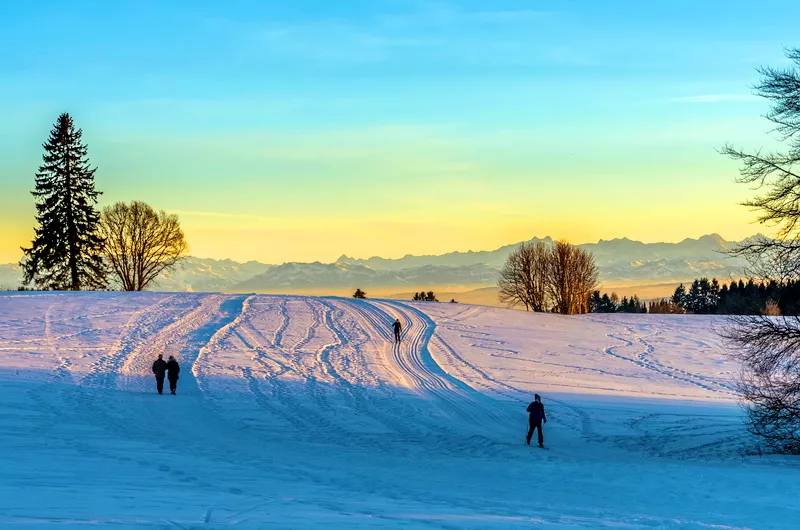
{"x": 301, "y": 413}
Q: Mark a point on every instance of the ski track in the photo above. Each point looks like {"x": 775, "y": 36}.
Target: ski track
{"x": 310, "y": 367}
{"x": 461, "y": 389}
{"x": 643, "y": 360}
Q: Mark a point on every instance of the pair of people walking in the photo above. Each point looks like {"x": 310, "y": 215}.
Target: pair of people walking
{"x": 169, "y": 369}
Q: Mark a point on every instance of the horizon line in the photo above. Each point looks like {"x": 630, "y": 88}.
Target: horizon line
{"x": 343, "y": 255}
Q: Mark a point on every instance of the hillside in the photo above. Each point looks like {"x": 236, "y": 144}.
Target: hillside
{"x": 296, "y": 412}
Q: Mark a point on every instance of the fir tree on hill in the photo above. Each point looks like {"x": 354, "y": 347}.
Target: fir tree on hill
{"x": 359, "y": 294}
{"x": 65, "y": 253}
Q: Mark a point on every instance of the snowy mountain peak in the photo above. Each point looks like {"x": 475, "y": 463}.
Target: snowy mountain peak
{"x": 619, "y": 260}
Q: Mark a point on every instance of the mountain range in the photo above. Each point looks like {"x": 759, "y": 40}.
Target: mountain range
{"x": 620, "y": 262}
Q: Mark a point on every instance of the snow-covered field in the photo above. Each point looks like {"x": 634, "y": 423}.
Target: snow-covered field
{"x": 301, "y": 413}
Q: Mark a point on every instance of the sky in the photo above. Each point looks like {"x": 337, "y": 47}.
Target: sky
{"x": 300, "y": 131}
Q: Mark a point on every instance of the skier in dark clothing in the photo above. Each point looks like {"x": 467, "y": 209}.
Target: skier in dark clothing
{"x": 160, "y": 369}
{"x": 173, "y": 369}
{"x": 535, "y": 419}
{"x": 397, "y": 328}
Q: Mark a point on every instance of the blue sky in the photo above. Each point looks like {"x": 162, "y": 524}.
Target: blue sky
{"x": 394, "y": 127}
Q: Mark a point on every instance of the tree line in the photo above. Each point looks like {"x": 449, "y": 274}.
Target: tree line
{"x": 422, "y": 296}
{"x": 558, "y": 278}
{"x": 612, "y": 304}
{"x": 709, "y": 297}
{"x": 76, "y": 246}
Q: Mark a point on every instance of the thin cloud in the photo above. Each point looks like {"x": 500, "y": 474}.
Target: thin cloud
{"x": 436, "y": 30}
{"x": 715, "y": 98}
{"x": 226, "y": 215}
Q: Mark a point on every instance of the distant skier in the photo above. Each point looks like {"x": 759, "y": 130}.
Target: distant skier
{"x": 535, "y": 419}
{"x": 397, "y": 329}
{"x": 173, "y": 369}
{"x": 160, "y": 369}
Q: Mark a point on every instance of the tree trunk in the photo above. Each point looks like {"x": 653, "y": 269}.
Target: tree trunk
{"x": 72, "y": 243}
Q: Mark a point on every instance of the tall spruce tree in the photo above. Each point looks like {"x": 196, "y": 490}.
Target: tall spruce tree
{"x": 65, "y": 252}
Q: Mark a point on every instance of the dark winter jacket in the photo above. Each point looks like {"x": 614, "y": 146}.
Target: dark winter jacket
{"x": 174, "y": 369}
{"x": 536, "y": 410}
{"x": 160, "y": 367}
{"x": 396, "y": 327}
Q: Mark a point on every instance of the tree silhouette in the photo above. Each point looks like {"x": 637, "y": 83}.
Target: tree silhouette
{"x": 65, "y": 253}
{"x": 767, "y": 346}
{"x": 140, "y": 243}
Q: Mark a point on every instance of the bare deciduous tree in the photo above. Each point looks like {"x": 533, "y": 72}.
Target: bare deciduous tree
{"x": 768, "y": 346}
{"x": 540, "y": 277}
{"x": 523, "y": 278}
{"x": 140, "y": 243}
{"x": 572, "y": 278}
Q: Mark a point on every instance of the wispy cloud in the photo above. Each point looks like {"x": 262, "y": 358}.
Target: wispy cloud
{"x": 432, "y": 31}
{"x": 226, "y": 215}
{"x": 715, "y": 98}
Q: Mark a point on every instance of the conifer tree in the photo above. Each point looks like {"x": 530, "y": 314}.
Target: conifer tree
{"x": 65, "y": 253}
{"x": 609, "y": 305}
{"x": 680, "y": 298}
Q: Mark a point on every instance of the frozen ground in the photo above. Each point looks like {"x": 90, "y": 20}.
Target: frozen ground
{"x": 300, "y": 413}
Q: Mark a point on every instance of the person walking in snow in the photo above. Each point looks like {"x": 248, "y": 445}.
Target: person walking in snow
{"x": 173, "y": 369}
{"x": 535, "y": 419}
{"x": 397, "y": 328}
{"x": 159, "y": 370}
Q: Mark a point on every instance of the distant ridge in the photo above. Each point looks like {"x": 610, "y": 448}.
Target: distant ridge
{"x": 620, "y": 260}
{"x": 711, "y": 245}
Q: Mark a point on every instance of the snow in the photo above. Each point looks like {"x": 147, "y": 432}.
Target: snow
{"x": 296, "y": 412}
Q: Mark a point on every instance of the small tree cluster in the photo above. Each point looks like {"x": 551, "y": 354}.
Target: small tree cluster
{"x": 702, "y": 298}
{"x": 665, "y": 306}
{"x": 612, "y": 304}
{"x": 422, "y": 296}
{"x": 540, "y": 277}
{"x": 359, "y": 294}
{"x": 603, "y": 304}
